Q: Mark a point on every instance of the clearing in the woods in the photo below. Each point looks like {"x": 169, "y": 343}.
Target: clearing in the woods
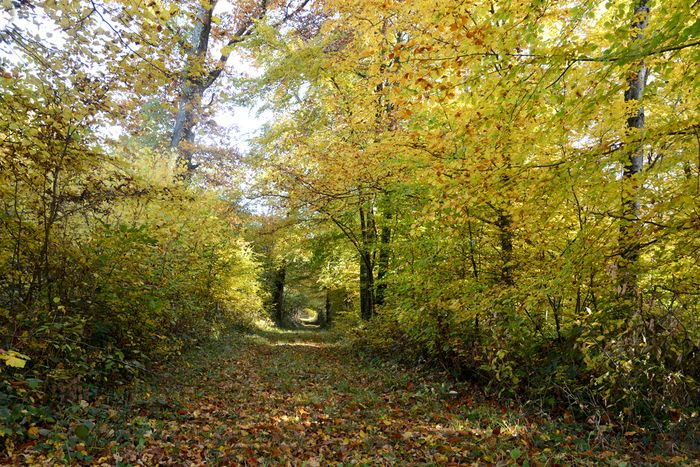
{"x": 302, "y": 398}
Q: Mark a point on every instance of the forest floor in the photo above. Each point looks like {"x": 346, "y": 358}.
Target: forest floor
{"x": 301, "y": 398}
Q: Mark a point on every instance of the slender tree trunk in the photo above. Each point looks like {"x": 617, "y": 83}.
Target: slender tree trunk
{"x": 505, "y": 234}
{"x": 474, "y": 266}
{"x": 367, "y": 298}
{"x": 472, "y": 248}
{"x": 630, "y": 235}
{"x": 366, "y": 289}
{"x": 278, "y": 295}
{"x": 383, "y": 263}
{"x": 327, "y": 310}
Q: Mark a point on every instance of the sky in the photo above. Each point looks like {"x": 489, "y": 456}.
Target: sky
{"x": 244, "y": 122}
{"x": 247, "y": 120}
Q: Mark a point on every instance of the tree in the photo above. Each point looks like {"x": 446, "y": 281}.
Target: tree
{"x": 497, "y": 132}
{"x": 348, "y": 187}
{"x": 200, "y": 71}
{"x": 630, "y": 241}
{"x": 107, "y": 264}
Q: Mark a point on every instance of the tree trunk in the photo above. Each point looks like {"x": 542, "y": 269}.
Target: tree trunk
{"x": 504, "y": 224}
{"x": 189, "y": 108}
{"x": 197, "y": 78}
{"x": 383, "y": 263}
{"x": 328, "y": 319}
{"x": 367, "y": 298}
{"x": 366, "y": 289}
{"x": 278, "y": 295}
{"x": 192, "y": 88}
{"x": 630, "y": 235}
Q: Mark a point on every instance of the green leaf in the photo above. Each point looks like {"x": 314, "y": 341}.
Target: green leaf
{"x": 33, "y": 383}
{"x": 515, "y": 454}
{"x": 82, "y": 432}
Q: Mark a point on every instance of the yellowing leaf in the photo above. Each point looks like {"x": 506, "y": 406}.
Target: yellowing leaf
{"x": 14, "y": 359}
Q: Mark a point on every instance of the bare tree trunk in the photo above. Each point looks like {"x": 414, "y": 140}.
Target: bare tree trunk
{"x": 383, "y": 263}
{"x": 327, "y": 310}
{"x": 278, "y": 295}
{"x": 367, "y": 298}
{"x": 630, "y": 234}
{"x": 192, "y": 88}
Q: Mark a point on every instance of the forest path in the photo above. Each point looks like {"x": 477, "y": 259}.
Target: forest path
{"x": 303, "y": 398}
{"x": 300, "y": 398}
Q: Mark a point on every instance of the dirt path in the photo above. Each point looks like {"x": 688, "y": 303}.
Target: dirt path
{"x": 299, "y": 398}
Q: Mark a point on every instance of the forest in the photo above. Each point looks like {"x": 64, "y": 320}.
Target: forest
{"x": 340, "y": 232}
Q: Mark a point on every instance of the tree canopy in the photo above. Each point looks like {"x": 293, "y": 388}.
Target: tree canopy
{"x": 508, "y": 189}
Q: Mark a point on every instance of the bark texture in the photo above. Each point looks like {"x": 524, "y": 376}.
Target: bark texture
{"x": 199, "y": 74}
{"x": 278, "y": 295}
{"x": 630, "y": 234}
